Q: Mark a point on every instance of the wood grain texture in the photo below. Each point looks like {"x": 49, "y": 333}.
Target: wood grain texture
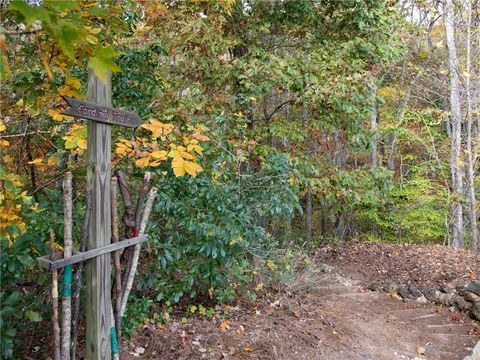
{"x": 79, "y": 257}
{"x": 98, "y": 270}
{"x": 107, "y": 115}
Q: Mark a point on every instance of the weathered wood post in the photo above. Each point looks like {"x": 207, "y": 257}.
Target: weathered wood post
{"x": 98, "y": 270}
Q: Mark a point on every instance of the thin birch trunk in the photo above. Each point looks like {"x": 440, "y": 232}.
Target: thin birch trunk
{"x": 470, "y": 159}
{"x": 67, "y": 272}
{"x": 136, "y": 253}
{"x": 373, "y": 128}
{"x": 56, "y": 326}
{"x": 116, "y": 258}
{"x": 113, "y": 337}
{"x": 308, "y": 214}
{"x": 455, "y": 154}
{"x": 77, "y": 279}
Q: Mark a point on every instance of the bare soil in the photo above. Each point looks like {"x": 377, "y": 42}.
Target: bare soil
{"x": 335, "y": 318}
{"x": 403, "y": 264}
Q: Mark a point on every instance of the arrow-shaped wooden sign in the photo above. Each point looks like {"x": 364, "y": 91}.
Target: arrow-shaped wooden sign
{"x": 95, "y": 112}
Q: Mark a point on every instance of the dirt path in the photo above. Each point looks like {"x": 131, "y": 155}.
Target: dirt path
{"x": 334, "y": 321}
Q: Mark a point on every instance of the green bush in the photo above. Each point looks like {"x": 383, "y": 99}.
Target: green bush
{"x": 206, "y": 229}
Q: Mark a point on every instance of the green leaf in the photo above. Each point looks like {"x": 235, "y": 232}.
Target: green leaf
{"x": 33, "y": 316}
{"x": 12, "y": 298}
{"x": 107, "y": 52}
{"x": 102, "y": 62}
{"x": 67, "y": 35}
{"x": 30, "y": 14}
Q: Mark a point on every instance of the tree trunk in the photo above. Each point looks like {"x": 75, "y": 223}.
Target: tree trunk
{"x": 456, "y": 118}
{"x": 308, "y": 214}
{"x": 470, "y": 160}
{"x": 373, "y": 128}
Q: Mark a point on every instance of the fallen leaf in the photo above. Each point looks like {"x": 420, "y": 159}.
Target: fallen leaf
{"x": 420, "y": 350}
{"x": 224, "y": 325}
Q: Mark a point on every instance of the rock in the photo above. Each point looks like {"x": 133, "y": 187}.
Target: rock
{"x": 475, "y": 311}
{"x": 474, "y": 287}
{"x": 430, "y": 349}
{"x": 447, "y": 289}
{"x": 446, "y": 299}
{"x": 324, "y": 268}
{"x": 375, "y": 287}
{"x": 423, "y": 300}
{"x": 416, "y": 293}
{"x": 391, "y": 288}
{"x": 461, "y": 289}
{"x": 430, "y": 294}
{"x": 475, "y": 355}
{"x": 460, "y": 302}
{"x": 404, "y": 293}
{"x": 468, "y": 305}
{"x": 470, "y": 296}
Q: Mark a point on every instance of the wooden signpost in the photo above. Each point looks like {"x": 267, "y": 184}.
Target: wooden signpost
{"x": 98, "y": 270}
{"x": 98, "y": 251}
{"x": 103, "y": 114}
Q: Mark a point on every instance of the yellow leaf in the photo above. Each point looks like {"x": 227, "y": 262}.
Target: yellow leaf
{"x": 197, "y": 148}
{"x": 271, "y": 265}
{"x": 2, "y": 127}
{"x": 91, "y": 39}
{"x": 420, "y": 350}
{"x": 159, "y": 154}
{"x": 47, "y": 66}
{"x": 186, "y": 155}
{"x": 57, "y": 116}
{"x": 224, "y": 325}
{"x": 82, "y": 144}
{"x": 178, "y": 166}
{"x": 76, "y": 139}
{"x": 142, "y": 162}
{"x": 158, "y": 128}
{"x": 7, "y": 159}
{"x": 66, "y": 90}
{"x": 247, "y": 349}
{"x": 122, "y": 149}
{"x": 192, "y": 168}
{"x": 52, "y": 160}
{"x": 155, "y": 163}
{"x": 95, "y": 30}
{"x": 73, "y": 82}
{"x": 259, "y": 287}
{"x": 4, "y": 143}
{"x": 37, "y": 161}
{"x": 200, "y": 137}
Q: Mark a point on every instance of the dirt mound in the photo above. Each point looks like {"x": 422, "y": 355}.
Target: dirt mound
{"x": 419, "y": 265}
